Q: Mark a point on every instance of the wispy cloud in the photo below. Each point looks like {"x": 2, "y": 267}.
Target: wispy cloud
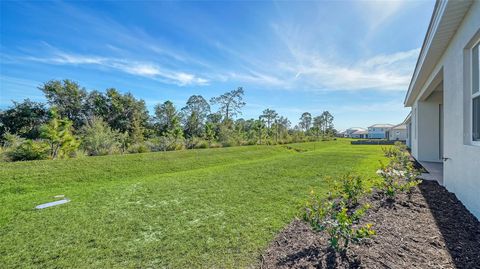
{"x": 382, "y": 72}
{"x": 138, "y": 68}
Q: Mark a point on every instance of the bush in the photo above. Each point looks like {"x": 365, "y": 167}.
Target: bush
{"x": 28, "y": 150}
{"x": 399, "y": 175}
{"x": 138, "y": 148}
{"x": 351, "y": 188}
{"x": 98, "y": 138}
{"x": 340, "y": 223}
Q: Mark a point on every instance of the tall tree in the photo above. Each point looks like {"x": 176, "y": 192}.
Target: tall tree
{"x": 23, "y": 119}
{"x": 194, "y": 115}
{"x": 327, "y": 122}
{"x": 269, "y": 115}
{"x": 230, "y": 103}
{"x": 165, "y": 117}
{"x": 68, "y": 97}
{"x": 305, "y": 121}
{"x": 126, "y": 113}
{"x": 318, "y": 125}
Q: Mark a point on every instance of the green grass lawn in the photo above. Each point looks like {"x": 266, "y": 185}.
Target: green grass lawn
{"x": 215, "y": 208}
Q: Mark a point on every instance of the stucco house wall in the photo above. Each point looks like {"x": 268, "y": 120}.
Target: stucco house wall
{"x": 462, "y": 157}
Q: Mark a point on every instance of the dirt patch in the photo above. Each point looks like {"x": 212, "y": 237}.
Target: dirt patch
{"x": 429, "y": 229}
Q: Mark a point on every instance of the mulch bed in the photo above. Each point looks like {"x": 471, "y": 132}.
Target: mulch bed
{"x": 429, "y": 229}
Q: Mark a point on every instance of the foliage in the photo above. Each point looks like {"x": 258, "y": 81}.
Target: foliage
{"x": 305, "y": 121}
{"x": 230, "y": 103}
{"x": 165, "y": 115}
{"x": 23, "y": 119}
{"x": 399, "y": 175}
{"x": 351, "y": 188}
{"x": 340, "y": 222}
{"x": 194, "y": 115}
{"x": 67, "y": 96}
{"x": 127, "y": 126}
{"x": 28, "y": 150}
{"x": 98, "y": 138}
{"x": 58, "y": 134}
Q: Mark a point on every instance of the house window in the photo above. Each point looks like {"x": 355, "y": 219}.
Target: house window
{"x": 476, "y": 93}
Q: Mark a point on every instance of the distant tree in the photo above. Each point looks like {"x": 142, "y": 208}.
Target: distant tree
{"x": 318, "y": 123}
{"x": 96, "y": 105}
{"x": 259, "y": 128}
{"x": 282, "y": 125}
{"x": 327, "y": 122}
{"x": 126, "y": 113}
{"x": 23, "y": 119}
{"x": 58, "y": 133}
{"x": 305, "y": 121}
{"x": 230, "y": 103}
{"x": 194, "y": 115}
{"x": 68, "y": 98}
{"x": 269, "y": 115}
{"x": 165, "y": 116}
{"x": 210, "y": 134}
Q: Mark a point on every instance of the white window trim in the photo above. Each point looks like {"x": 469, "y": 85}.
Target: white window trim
{"x": 473, "y": 95}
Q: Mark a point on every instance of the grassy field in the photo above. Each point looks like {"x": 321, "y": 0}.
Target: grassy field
{"x": 215, "y": 208}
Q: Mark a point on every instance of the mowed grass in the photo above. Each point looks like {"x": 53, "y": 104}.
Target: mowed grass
{"x": 211, "y": 208}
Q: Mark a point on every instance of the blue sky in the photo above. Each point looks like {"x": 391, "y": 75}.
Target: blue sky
{"x": 354, "y": 59}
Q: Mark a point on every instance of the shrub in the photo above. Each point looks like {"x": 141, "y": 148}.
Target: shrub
{"x": 28, "y": 150}
{"x": 138, "y": 148}
{"x": 351, "y": 188}
{"x": 58, "y": 134}
{"x": 340, "y": 223}
{"x": 399, "y": 175}
{"x": 98, "y": 138}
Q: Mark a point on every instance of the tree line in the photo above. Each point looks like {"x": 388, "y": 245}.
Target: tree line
{"x": 76, "y": 121}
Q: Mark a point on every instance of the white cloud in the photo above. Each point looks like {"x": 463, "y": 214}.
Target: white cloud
{"x": 382, "y": 72}
{"x": 138, "y": 68}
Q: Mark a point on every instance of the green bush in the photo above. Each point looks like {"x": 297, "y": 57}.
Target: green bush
{"x": 351, "y": 188}
{"x": 399, "y": 175}
{"x": 98, "y": 138}
{"x": 28, "y": 150}
{"x": 341, "y": 223}
{"x": 138, "y": 148}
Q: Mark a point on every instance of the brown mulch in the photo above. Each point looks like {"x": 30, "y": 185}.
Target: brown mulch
{"x": 429, "y": 229}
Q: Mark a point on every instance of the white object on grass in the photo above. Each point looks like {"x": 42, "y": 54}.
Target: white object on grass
{"x": 59, "y": 202}
{"x": 59, "y": 196}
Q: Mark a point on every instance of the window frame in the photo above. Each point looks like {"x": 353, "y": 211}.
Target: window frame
{"x": 472, "y": 95}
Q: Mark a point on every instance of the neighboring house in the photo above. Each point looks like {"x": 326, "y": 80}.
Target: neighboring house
{"x": 340, "y": 134}
{"x": 350, "y": 131}
{"x": 397, "y": 132}
{"x": 378, "y": 131}
{"x": 444, "y": 94}
{"x": 360, "y": 134}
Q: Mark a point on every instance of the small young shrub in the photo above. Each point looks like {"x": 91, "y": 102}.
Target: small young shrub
{"x": 399, "y": 175}
{"x": 351, "y": 188}
{"x": 338, "y": 221}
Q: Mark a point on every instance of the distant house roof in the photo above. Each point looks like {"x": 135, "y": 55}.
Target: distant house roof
{"x": 356, "y": 128}
{"x": 359, "y": 132}
{"x": 400, "y": 126}
{"x": 381, "y": 125}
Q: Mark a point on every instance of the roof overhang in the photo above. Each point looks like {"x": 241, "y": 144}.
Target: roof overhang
{"x": 447, "y": 17}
